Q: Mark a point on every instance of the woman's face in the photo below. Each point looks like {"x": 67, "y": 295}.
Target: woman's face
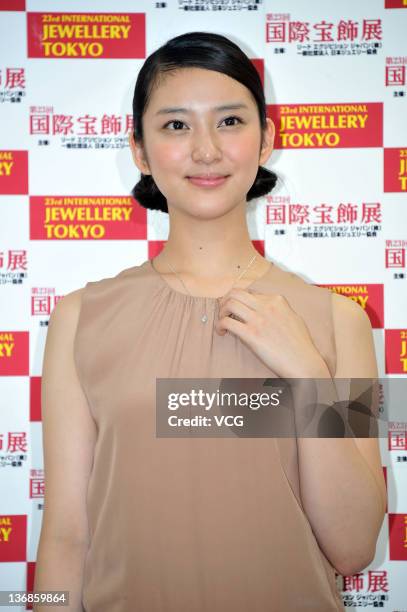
{"x": 202, "y": 139}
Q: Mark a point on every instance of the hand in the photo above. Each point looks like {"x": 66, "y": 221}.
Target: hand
{"x": 273, "y": 331}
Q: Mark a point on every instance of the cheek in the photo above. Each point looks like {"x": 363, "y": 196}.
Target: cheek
{"x": 245, "y": 150}
{"x": 169, "y": 159}
{"x": 167, "y": 155}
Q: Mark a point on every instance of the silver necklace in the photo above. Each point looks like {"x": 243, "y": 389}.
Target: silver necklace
{"x": 204, "y": 317}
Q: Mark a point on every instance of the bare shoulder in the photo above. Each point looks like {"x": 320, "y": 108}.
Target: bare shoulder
{"x": 339, "y": 301}
{"x": 345, "y": 309}
{"x": 354, "y": 339}
{"x": 69, "y": 305}
{"x": 62, "y": 325}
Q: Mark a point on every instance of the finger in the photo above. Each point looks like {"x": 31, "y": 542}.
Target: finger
{"x": 227, "y": 324}
{"x": 239, "y": 294}
{"x": 235, "y": 309}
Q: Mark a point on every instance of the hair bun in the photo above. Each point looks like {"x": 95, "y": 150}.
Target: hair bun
{"x": 148, "y": 195}
{"x": 265, "y": 181}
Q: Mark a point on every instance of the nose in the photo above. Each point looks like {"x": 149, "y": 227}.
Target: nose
{"x": 205, "y": 146}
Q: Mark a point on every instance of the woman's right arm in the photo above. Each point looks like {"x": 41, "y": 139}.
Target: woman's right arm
{"x": 69, "y": 436}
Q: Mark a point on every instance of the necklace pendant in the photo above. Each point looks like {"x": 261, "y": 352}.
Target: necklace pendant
{"x": 204, "y": 318}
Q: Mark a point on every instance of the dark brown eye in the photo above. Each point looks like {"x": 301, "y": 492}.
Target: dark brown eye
{"x": 233, "y": 117}
{"x": 173, "y": 121}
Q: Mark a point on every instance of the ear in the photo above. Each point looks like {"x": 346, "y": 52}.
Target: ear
{"x": 268, "y": 141}
{"x": 138, "y": 154}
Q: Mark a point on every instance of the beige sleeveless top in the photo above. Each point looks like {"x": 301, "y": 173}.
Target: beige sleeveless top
{"x": 190, "y": 524}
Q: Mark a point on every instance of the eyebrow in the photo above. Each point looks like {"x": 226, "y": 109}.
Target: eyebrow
{"x": 223, "y": 107}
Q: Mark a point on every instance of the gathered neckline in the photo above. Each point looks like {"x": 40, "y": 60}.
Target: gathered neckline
{"x": 203, "y": 297}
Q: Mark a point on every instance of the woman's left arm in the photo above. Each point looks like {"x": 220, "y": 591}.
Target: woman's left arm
{"x": 341, "y": 479}
{"x": 342, "y": 483}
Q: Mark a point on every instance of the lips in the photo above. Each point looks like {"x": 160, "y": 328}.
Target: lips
{"x": 207, "y": 176}
{"x": 208, "y": 180}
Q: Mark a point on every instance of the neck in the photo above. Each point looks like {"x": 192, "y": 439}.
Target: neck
{"x": 218, "y": 248}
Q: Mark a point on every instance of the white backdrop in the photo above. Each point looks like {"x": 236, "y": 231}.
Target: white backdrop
{"x": 334, "y": 76}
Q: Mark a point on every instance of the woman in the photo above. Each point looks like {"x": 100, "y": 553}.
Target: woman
{"x": 134, "y": 521}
